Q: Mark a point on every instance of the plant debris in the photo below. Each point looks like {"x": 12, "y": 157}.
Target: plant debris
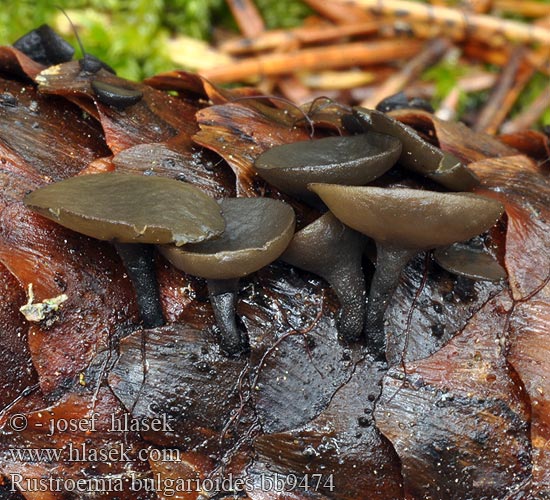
{"x": 458, "y": 408}
{"x": 39, "y": 311}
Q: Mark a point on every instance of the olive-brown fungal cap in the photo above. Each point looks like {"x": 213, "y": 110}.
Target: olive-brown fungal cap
{"x": 466, "y": 260}
{"x": 417, "y": 154}
{"x": 351, "y": 160}
{"x": 130, "y": 208}
{"x": 410, "y": 218}
{"x": 257, "y": 232}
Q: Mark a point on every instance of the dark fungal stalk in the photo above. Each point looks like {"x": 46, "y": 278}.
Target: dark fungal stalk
{"x": 223, "y": 297}
{"x": 333, "y": 251}
{"x": 404, "y": 222}
{"x": 390, "y": 262}
{"x": 133, "y": 212}
{"x": 257, "y": 232}
{"x": 139, "y": 261}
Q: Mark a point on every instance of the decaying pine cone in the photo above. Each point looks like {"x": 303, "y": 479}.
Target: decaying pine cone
{"x": 463, "y": 411}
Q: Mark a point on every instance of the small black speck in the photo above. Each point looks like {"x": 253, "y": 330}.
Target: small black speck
{"x": 346, "y": 355}
{"x": 168, "y": 163}
{"x": 310, "y": 341}
{"x": 8, "y": 100}
{"x": 60, "y": 282}
{"x": 464, "y": 289}
{"x": 202, "y": 366}
{"x": 438, "y": 330}
{"x": 174, "y": 411}
{"x": 364, "y": 421}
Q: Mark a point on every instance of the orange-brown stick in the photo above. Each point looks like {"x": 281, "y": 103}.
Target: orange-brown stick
{"x": 523, "y": 7}
{"x": 510, "y": 84}
{"x": 475, "y": 26}
{"x": 529, "y": 115}
{"x": 304, "y": 35}
{"x": 337, "y": 56}
{"x": 434, "y": 50}
{"x": 339, "y": 13}
{"x": 248, "y": 18}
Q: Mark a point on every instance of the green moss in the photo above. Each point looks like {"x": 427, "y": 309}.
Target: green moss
{"x": 131, "y": 35}
{"x": 537, "y": 84}
{"x": 283, "y": 13}
{"x": 445, "y": 76}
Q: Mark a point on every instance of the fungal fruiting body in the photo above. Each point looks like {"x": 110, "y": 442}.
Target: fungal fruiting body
{"x": 257, "y": 232}
{"x": 132, "y": 211}
{"x": 417, "y": 154}
{"x": 404, "y": 222}
{"x": 334, "y": 251}
{"x": 352, "y": 160}
{"x": 470, "y": 260}
{"x": 115, "y": 95}
{"x": 130, "y": 208}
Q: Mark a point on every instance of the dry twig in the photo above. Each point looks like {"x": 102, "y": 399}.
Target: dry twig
{"x": 433, "y": 51}
{"x": 321, "y": 58}
{"x": 248, "y": 18}
{"x": 523, "y": 8}
{"x": 270, "y": 40}
{"x": 529, "y": 115}
{"x": 511, "y": 82}
{"x": 458, "y": 24}
{"x": 339, "y": 13}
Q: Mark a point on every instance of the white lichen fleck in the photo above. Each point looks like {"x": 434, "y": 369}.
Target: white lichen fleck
{"x": 36, "y": 312}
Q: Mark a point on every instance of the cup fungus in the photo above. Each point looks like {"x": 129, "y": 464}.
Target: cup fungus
{"x": 258, "y": 230}
{"x": 333, "y": 251}
{"x": 128, "y": 210}
{"x": 351, "y": 160}
{"x": 90, "y": 64}
{"x": 469, "y": 260}
{"x": 404, "y": 222}
{"x": 417, "y": 154}
{"x": 401, "y": 101}
{"x": 115, "y": 95}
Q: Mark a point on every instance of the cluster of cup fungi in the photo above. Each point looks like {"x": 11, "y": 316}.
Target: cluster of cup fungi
{"x": 222, "y": 241}
{"x": 226, "y": 240}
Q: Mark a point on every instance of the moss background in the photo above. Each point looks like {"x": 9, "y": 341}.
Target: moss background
{"x": 133, "y": 35}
